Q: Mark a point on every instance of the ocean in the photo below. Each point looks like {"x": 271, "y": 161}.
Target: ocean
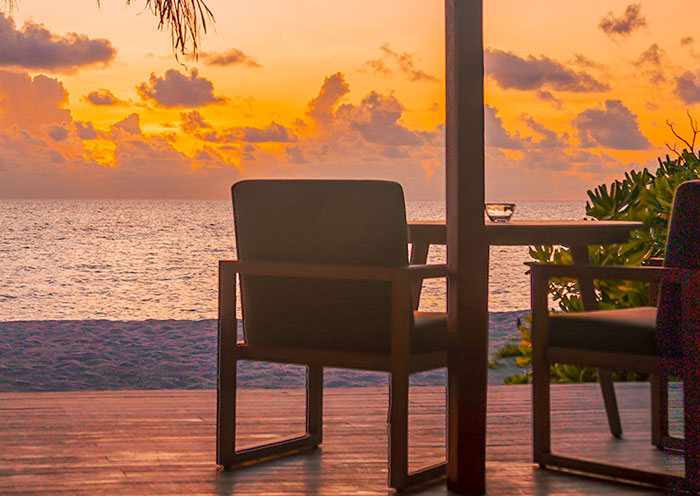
{"x": 68, "y": 267}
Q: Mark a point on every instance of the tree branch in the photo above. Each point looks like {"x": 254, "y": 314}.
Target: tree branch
{"x": 673, "y": 149}
{"x": 694, "y": 127}
{"x": 668, "y": 123}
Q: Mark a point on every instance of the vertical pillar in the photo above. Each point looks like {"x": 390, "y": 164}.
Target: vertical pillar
{"x": 467, "y": 248}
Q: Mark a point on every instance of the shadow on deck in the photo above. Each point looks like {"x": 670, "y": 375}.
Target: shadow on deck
{"x": 163, "y": 442}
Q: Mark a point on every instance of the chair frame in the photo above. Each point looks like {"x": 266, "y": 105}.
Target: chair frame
{"x": 688, "y": 367}
{"x": 399, "y": 362}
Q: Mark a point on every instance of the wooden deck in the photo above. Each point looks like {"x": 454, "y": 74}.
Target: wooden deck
{"x": 162, "y": 442}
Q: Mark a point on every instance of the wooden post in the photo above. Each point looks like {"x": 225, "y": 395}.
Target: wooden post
{"x": 467, "y": 248}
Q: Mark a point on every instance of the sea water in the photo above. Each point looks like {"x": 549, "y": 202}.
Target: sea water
{"x": 157, "y": 259}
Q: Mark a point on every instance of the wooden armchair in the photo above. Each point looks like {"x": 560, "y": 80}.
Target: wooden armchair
{"x": 663, "y": 342}
{"x": 325, "y": 281}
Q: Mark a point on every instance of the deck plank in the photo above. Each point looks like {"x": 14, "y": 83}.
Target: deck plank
{"x": 163, "y": 442}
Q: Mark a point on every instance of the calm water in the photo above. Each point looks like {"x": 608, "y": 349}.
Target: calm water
{"x": 157, "y": 259}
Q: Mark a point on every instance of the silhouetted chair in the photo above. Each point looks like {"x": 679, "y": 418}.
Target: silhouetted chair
{"x": 662, "y": 343}
{"x": 325, "y": 281}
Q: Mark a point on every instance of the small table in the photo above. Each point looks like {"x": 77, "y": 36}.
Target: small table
{"x": 533, "y": 232}
{"x": 576, "y": 234}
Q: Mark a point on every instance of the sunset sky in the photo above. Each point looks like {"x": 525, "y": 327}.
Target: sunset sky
{"x": 93, "y": 103}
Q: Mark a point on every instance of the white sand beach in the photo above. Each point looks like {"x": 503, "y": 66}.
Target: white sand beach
{"x": 75, "y": 355}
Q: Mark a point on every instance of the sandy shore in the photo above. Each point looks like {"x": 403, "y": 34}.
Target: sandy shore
{"x": 162, "y": 354}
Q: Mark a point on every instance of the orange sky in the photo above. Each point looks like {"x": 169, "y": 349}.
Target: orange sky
{"x": 93, "y": 103}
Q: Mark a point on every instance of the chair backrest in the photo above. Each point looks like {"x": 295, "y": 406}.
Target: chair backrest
{"x": 683, "y": 252}
{"x": 339, "y": 222}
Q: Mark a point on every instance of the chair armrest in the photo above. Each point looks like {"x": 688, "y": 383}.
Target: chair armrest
{"x": 428, "y": 232}
{"x": 326, "y": 271}
{"x": 427, "y": 271}
{"x": 661, "y": 274}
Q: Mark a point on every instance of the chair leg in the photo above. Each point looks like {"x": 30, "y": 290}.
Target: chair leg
{"x": 399, "y": 476}
{"x": 659, "y": 410}
{"x": 607, "y": 387}
{"x": 398, "y": 430}
{"x": 226, "y": 367}
{"x": 691, "y": 414}
{"x": 668, "y": 442}
{"x": 231, "y": 459}
{"x": 541, "y": 415}
{"x": 226, "y": 414}
{"x": 314, "y": 403}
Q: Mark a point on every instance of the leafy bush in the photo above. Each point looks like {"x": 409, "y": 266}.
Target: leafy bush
{"x": 642, "y": 197}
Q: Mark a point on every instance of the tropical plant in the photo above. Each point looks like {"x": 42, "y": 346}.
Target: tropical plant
{"x": 640, "y": 196}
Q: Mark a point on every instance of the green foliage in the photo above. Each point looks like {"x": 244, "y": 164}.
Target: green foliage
{"x": 508, "y": 350}
{"x": 639, "y": 196}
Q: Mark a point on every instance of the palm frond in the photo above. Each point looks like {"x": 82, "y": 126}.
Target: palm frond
{"x": 186, "y": 20}
{"x": 7, "y": 5}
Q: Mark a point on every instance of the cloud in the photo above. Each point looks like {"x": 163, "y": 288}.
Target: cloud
{"x": 272, "y": 133}
{"x": 42, "y": 154}
{"x": 194, "y": 124}
{"x": 179, "y": 90}
{"x": 35, "y": 47}
{"x": 337, "y": 139}
{"x": 377, "y": 121}
{"x": 320, "y": 108}
{"x": 583, "y": 61}
{"x": 687, "y": 41}
{"x": 651, "y": 56}
{"x": 548, "y": 173}
{"x": 688, "y": 87}
{"x": 29, "y": 103}
{"x": 102, "y": 97}
{"x": 549, "y": 138}
{"x": 612, "y": 127}
{"x": 376, "y": 67}
{"x": 624, "y": 25}
{"x": 511, "y": 71}
{"x": 549, "y": 97}
{"x": 57, "y": 132}
{"x": 149, "y": 167}
{"x": 45, "y": 153}
{"x": 651, "y": 61}
{"x": 130, "y": 124}
{"x": 496, "y": 134}
{"x": 366, "y": 139}
{"x": 234, "y": 56}
{"x": 85, "y": 130}
{"x": 405, "y": 62}
{"x": 295, "y": 155}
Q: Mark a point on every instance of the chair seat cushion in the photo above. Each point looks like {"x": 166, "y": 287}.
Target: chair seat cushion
{"x": 630, "y": 330}
{"x": 429, "y": 332}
